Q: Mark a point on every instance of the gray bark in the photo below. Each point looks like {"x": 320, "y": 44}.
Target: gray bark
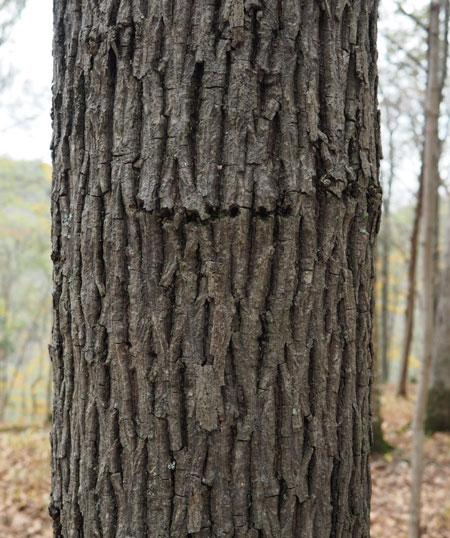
{"x": 412, "y": 291}
{"x": 414, "y": 242}
{"x": 379, "y": 444}
{"x": 438, "y": 408}
{"x": 430, "y": 209}
{"x": 386, "y": 244}
{"x": 215, "y": 205}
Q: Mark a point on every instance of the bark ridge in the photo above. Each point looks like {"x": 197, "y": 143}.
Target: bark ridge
{"x": 215, "y": 205}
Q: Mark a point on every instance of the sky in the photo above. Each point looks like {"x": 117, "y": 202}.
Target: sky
{"x": 25, "y": 130}
{"x": 29, "y": 51}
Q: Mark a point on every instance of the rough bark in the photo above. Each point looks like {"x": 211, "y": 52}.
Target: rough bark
{"x": 438, "y": 408}
{"x": 430, "y": 197}
{"x": 215, "y": 204}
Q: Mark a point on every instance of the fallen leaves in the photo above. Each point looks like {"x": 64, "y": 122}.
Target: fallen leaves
{"x": 25, "y": 480}
{"x": 391, "y": 476}
{"x": 24, "y": 484}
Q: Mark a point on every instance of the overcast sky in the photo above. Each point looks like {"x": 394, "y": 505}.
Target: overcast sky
{"x": 29, "y": 53}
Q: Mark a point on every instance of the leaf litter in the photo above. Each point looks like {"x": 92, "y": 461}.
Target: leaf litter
{"x": 25, "y": 479}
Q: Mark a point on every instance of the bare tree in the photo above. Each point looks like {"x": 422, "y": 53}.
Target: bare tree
{"x": 403, "y": 96}
{"x": 391, "y": 110}
{"x": 10, "y": 10}
{"x": 438, "y": 408}
{"x": 430, "y": 206}
{"x": 414, "y": 241}
{"x": 411, "y": 293}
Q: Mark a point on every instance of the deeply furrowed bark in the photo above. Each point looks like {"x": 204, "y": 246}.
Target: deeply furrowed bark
{"x": 215, "y": 205}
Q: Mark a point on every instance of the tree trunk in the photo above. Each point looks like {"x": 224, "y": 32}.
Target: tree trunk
{"x": 48, "y": 401}
{"x": 379, "y": 443}
{"x": 411, "y": 294}
{"x": 438, "y": 409}
{"x": 386, "y": 255}
{"x": 215, "y": 205}
{"x": 430, "y": 187}
{"x": 414, "y": 250}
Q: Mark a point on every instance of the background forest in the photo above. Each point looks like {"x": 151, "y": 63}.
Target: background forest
{"x": 25, "y": 269}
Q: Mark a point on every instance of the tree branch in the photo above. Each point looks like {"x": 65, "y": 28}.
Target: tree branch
{"x": 413, "y": 17}
{"x": 411, "y": 56}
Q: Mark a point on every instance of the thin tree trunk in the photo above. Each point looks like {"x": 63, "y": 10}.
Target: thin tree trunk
{"x": 215, "y": 204}
{"x": 48, "y": 400}
{"x": 385, "y": 261}
{"x": 431, "y": 183}
{"x": 385, "y": 329}
{"x": 411, "y": 294}
{"x": 412, "y": 267}
{"x": 379, "y": 443}
{"x": 438, "y": 408}
{"x": 3, "y": 382}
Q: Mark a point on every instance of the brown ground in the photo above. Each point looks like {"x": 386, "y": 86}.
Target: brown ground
{"x": 24, "y": 484}
{"x": 24, "y": 480}
{"x": 391, "y": 477}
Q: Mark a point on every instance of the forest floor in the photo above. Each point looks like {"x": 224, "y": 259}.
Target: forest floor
{"x": 391, "y": 475}
{"x": 25, "y": 481}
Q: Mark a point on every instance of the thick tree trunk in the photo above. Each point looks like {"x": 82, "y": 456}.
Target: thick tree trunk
{"x": 438, "y": 409}
{"x": 430, "y": 199}
{"x": 215, "y": 205}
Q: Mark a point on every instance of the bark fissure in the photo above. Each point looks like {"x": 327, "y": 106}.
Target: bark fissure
{"x": 215, "y": 205}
